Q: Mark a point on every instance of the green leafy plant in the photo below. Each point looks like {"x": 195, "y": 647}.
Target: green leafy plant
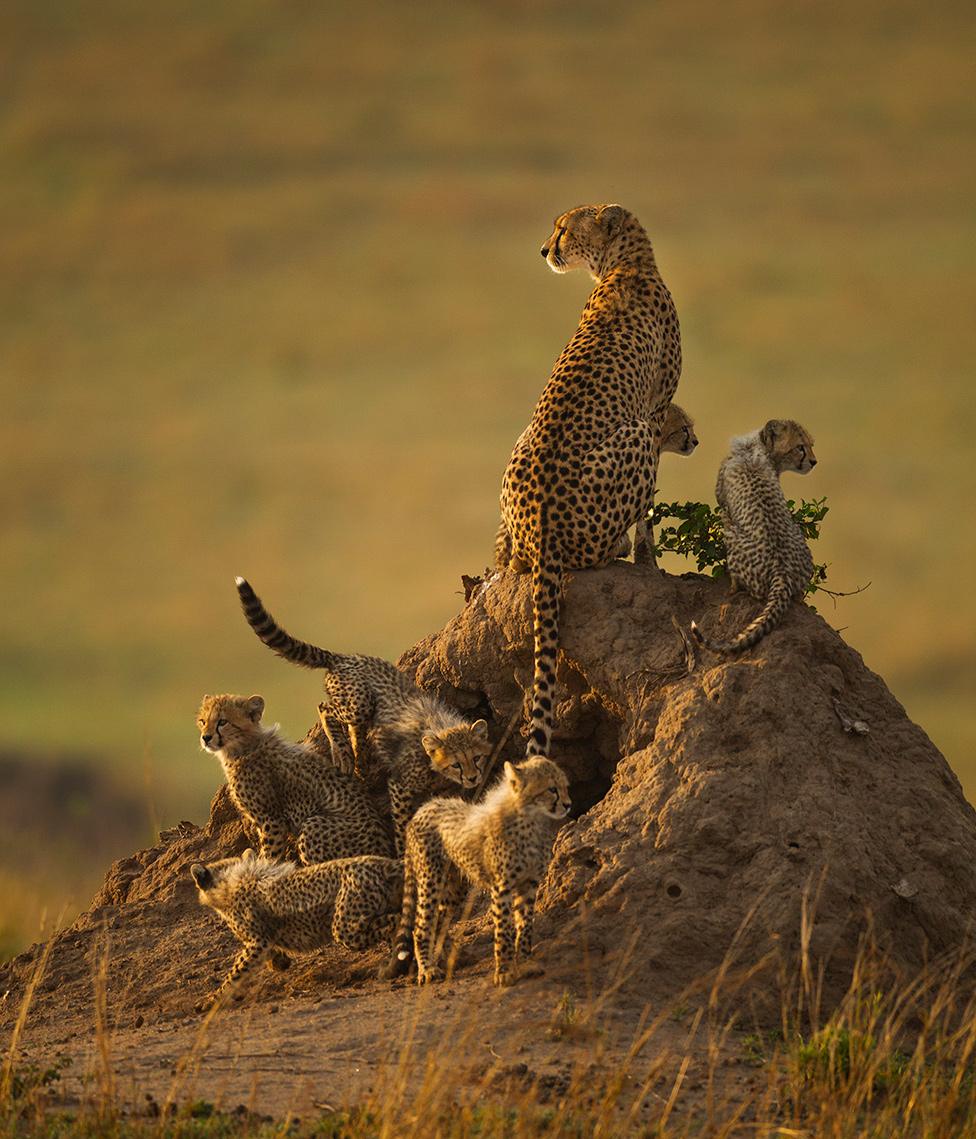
{"x": 694, "y": 530}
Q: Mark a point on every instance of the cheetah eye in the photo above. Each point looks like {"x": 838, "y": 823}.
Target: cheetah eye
{"x": 221, "y": 723}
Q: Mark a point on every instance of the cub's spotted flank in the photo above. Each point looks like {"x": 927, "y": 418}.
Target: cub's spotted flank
{"x": 286, "y": 789}
{"x": 367, "y": 698}
{"x": 502, "y": 844}
{"x": 275, "y": 906}
{"x": 583, "y": 470}
{"x": 767, "y": 552}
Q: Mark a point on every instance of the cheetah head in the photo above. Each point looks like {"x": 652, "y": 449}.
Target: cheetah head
{"x": 540, "y": 785}
{"x": 226, "y": 722}
{"x": 790, "y": 446}
{"x": 460, "y": 753}
{"x": 581, "y": 237}
{"x": 678, "y": 434}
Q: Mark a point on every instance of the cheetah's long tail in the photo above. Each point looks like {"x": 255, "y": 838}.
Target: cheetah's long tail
{"x": 547, "y": 575}
{"x": 777, "y": 603}
{"x": 269, "y": 631}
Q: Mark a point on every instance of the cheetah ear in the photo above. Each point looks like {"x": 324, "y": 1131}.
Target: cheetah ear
{"x": 255, "y": 707}
{"x": 248, "y": 854}
{"x": 430, "y": 744}
{"x": 201, "y": 875}
{"x": 610, "y": 218}
{"x": 513, "y": 775}
{"x": 481, "y": 727}
{"x": 769, "y": 433}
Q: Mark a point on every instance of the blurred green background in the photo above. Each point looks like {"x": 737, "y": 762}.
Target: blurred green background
{"x": 272, "y": 304}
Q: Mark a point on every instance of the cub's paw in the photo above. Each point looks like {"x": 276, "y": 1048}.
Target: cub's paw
{"x": 505, "y": 979}
{"x": 429, "y": 976}
{"x": 396, "y": 966}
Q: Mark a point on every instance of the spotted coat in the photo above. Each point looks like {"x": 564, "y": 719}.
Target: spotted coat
{"x": 583, "y": 471}
{"x": 767, "y": 553}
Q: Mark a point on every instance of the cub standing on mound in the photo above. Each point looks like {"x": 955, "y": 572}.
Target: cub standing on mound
{"x": 418, "y": 736}
{"x": 274, "y": 906}
{"x": 584, "y": 469}
{"x": 766, "y": 550}
{"x": 502, "y": 844}
{"x": 285, "y": 789}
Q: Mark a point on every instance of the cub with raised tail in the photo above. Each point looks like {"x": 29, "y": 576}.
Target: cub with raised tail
{"x": 276, "y": 907}
{"x": 767, "y": 552}
{"x": 289, "y": 793}
{"x": 502, "y": 845}
{"x": 370, "y": 703}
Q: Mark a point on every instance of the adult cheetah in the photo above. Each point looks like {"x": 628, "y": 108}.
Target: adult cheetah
{"x": 584, "y": 469}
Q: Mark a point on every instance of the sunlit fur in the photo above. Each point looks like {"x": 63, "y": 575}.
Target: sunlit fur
{"x": 678, "y": 434}
{"x": 581, "y": 238}
{"x": 277, "y": 907}
{"x": 502, "y": 845}
{"x": 286, "y": 790}
{"x": 766, "y": 551}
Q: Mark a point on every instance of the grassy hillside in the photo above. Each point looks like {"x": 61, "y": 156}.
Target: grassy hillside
{"x": 272, "y": 304}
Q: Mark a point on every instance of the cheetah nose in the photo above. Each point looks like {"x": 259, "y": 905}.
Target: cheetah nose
{"x": 544, "y": 251}
{"x": 206, "y": 739}
{"x": 813, "y": 463}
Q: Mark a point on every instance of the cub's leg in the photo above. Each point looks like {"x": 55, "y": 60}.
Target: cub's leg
{"x": 523, "y": 910}
{"x": 338, "y": 736}
{"x": 249, "y": 956}
{"x": 501, "y": 912}
{"x": 273, "y": 840}
{"x": 427, "y": 934}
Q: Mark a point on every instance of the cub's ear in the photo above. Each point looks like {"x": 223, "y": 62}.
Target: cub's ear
{"x": 255, "y": 707}
{"x": 513, "y": 775}
{"x": 771, "y": 432}
{"x": 430, "y": 744}
{"x": 610, "y": 218}
{"x": 481, "y": 727}
{"x": 248, "y": 854}
{"x": 201, "y": 875}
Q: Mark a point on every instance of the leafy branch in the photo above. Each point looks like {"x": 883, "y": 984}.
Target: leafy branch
{"x": 694, "y": 530}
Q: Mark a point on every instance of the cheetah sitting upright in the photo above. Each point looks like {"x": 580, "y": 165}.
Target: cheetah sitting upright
{"x": 583, "y": 471}
{"x": 275, "y": 906}
{"x": 502, "y": 844}
{"x": 766, "y": 550}
{"x": 368, "y": 701}
{"x": 286, "y": 789}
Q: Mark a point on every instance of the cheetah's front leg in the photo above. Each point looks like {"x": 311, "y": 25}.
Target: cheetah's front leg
{"x": 249, "y": 956}
{"x": 505, "y": 937}
{"x": 523, "y": 908}
{"x": 273, "y": 835}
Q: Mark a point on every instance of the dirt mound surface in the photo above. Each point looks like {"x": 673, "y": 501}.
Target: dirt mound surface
{"x": 709, "y": 805}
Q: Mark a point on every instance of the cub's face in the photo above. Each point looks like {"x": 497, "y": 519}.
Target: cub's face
{"x": 541, "y": 784}
{"x": 581, "y": 236}
{"x": 211, "y": 879}
{"x": 224, "y": 721}
{"x": 678, "y": 435}
{"x": 790, "y": 446}
{"x": 459, "y": 754}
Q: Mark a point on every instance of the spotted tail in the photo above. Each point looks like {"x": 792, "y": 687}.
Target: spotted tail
{"x": 269, "y": 631}
{"x": 777, "y": 603}
{"x": 547, "y": 575}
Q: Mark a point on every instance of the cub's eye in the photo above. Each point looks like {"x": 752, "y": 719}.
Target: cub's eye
{"x": 221, "y": 723}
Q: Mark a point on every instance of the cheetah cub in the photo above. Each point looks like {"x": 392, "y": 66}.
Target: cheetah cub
{"x": 678, "y": 438}
{"x": 426, "y": 751}
{"x": 277, "y": 906}
{"x": 368, "y": 700}
{"x": 767, "y": 552}
{"x": 502, "y": 845}
{"x": 286, "y": 789}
